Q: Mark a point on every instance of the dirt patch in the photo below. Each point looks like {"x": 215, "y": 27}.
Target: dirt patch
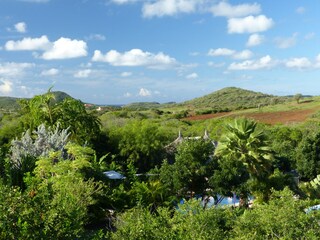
{"x": 283, "y": 117}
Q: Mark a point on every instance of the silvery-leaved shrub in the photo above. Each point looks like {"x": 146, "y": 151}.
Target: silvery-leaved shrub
{"x": 25, "y": 151}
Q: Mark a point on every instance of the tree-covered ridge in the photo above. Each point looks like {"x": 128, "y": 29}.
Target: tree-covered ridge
{"x": 233, "y": 98}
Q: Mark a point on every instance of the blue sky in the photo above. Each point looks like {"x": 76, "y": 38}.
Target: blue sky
{"x": 122, "y": 51}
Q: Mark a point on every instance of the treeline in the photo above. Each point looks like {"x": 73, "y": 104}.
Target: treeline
{"x": 54, "y": 156}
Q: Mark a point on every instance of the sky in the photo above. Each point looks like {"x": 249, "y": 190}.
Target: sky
{"x": 124, "y": 51}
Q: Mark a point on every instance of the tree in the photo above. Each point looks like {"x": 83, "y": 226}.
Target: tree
{"x": 193, "y": 165}
{"x": 283, "y": 217}
{"x": 140, "y": 142}
{"x": 248, "y": 148}
{"x": 55, "y": 202}
{"x": 297, "y": 97}
{"x": 69, "y": 113}
{"x": 243, "y": 142}
{"x": 308, "y": 157}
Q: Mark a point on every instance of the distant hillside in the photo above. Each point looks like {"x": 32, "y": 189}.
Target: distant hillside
{"x": 233, "y": 98}
{"x": 8, "y": 103}
{"x": 142, "y": 105}
{"x": 60, "y": 96}
{"x": 12, "y": 103}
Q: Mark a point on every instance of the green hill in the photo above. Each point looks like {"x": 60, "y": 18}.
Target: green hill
{"x": 9, "y": 103}
{"x": 12, "y": 103}
{"x": 233, "y": 98}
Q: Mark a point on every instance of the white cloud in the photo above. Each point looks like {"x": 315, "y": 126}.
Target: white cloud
{"x": 245, "y": 54}
{"x": 28, "y": 44}
{"x": 127, "y": 94}
{"x": 126, "y": 74}
{"x": 286, "y": 42}
{"x": 224, "y": 9}
{"x": 12, "y": 69}
{"x": 161, "y": 8}
{"x": 83, "y": 73}
{"x": 35, "y": 1}
{"x": 5, "y": 86}
{"x": 300, "y": 10}
{"x": 250, "y": 24}
{"x": 299, "y": 63}
{"x": 264, "y": 62}
{"x": 221, "y": 52}
{"x": 309, "y": 36}
{"x": 123, "y": 1}
{"x": 21, "y": 27}
{"x": 65, "y": 48}
{"x": 216, "y": 65}
{"x": 97, "y": 37}
{"x": 192, "y": 76}
{"x": 317, "y": 64}
{"x": 144, "y": 92}
{"x": 255, "y": 40}
{"x": 134, "y": 57}
{"x": 50, "y": 72}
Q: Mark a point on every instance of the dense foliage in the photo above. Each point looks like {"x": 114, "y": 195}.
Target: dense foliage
{"x": 56, "y": 157}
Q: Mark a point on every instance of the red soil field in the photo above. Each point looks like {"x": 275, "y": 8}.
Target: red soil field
{"x": 283, "y": 117}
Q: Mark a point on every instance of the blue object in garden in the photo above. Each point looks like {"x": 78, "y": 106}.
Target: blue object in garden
{"x": 114, "y": 175}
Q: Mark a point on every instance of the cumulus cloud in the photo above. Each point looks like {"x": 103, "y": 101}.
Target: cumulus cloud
{"x": 216, "y": 65}
{"x": 123, "y": 1}
{"x": 127, "y": 95}
{"x": 245, "y": 54}
{"x": 144, "y": 92}
{"x": 221, "y": 52}
{"x": 255, "y": 40}
{"x": 28, "y": 44}
{"x": 299, "y": 63}
{"x": 126, "y": 74}
{"x": 309, "y": 36}
{"x": 161, "y": 8}
{"x": 50, "y": 72}
{"x": 192, "y": 76}
{"x": 317, "y": 64}
{"x": 5, "y": 86}
{"x": 264, "y": 62}
{"x": 286, "y": 42}
{"x": 224, "y": 9}
{"x": 97, "y": 37}
{"x": 21, "y": 27}
{"x": 35, "y": 1}
{"x": 65, "y": 48}
{"x": 134, "y": 57}
{"x": 83, "y": 73}
{"x": 250, "y": 24}
{"x": 12, "y": 69}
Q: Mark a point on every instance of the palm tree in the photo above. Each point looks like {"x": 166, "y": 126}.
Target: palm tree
{"x": 243, "y": 142}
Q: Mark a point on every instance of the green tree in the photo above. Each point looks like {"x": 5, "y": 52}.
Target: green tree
{"x": 56, "y": 200}
{"x": 141, "y": 142}
{"x": 69, "y": 113}
{"x": 297, "y": 97}
{"x": 308, "y": 157}
{"x": 283, "y": 217}
{"x": 244, "y": 143}
{"x": 193, "y": 165}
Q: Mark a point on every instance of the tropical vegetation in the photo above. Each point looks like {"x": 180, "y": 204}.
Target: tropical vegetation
{"x": 170, "y": 174}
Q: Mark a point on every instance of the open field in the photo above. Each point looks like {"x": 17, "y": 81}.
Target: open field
{"x": 295, "y": 114}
